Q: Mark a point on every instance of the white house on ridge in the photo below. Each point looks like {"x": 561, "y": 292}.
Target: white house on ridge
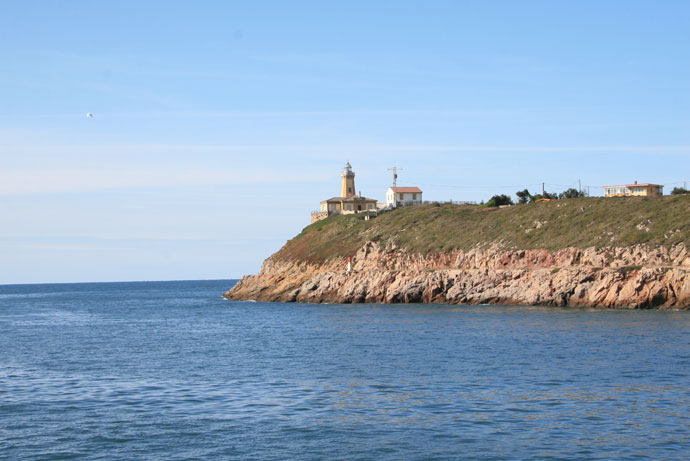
{"x": 403, "y": 196}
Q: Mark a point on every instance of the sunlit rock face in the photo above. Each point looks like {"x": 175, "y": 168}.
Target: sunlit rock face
{"x": 634, "y": 277}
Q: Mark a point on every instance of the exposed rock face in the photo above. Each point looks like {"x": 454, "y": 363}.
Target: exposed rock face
{"x": 629, "y": 277}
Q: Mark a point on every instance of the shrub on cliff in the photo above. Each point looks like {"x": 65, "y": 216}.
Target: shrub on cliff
{"x": 571, "y": 193}
{"x": 499, "y": 200}
{"x": 524, "y": 196}
{"x": 548, "y": 195}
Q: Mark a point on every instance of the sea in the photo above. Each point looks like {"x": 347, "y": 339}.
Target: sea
{"x": 172, "y": 371}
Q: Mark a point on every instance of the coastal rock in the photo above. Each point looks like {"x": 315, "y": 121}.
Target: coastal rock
{"x": 634, "y": 277}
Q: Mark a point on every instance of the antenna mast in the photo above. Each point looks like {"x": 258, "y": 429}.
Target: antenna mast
{"x": 395, "y": 170}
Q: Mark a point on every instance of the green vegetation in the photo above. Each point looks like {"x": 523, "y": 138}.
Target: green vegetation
{"x": 524, "y": 195}
{"x": 549, "y": 195}
{"x": 679, "y": 191}
{"x": 578, "y": 222}
{"x": 499, "y": 200}
{"x": 571, "y": 193}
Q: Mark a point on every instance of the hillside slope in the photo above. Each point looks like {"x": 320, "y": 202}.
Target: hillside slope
{"x": 606, "y": 252}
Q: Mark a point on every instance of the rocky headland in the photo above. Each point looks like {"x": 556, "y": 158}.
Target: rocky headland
{"x": 635, "y": 256}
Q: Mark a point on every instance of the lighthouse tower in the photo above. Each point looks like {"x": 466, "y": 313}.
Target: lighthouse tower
{"x": 348, "y": 181}
{"x": 349, "y": 202}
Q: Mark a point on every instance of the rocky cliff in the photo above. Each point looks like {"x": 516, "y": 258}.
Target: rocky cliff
{"x": 628, "y": 277}
{"x": 586, "y": 252}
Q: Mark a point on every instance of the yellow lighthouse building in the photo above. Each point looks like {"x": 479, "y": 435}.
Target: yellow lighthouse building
{"x": 349, "y": 201}
{"x": 347, "y": 182}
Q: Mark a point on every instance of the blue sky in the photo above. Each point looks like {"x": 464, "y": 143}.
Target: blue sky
{"x": 219, "y": 126}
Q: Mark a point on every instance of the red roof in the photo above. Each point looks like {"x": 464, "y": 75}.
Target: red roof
{"x": 637, "y": 184}
{"x": 643, "y": 184}
{"x": 407, "y": 189}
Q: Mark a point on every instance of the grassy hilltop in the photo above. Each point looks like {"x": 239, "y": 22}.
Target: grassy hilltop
{"x": 581, "y": 222}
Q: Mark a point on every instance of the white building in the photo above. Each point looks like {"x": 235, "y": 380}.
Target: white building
{"x": 403, "y": 196}
{"x": 639, "y": 190}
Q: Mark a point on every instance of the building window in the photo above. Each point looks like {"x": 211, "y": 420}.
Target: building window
{"x": 400, "y": 196}
{"x": 414, "y": 196}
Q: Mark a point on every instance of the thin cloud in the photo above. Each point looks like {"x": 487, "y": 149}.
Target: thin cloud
{"x": 117, "y": 243}
{"x": 32, "y": 181}
{"x": 341, "y": 148}
{"x": 271, "y": 114}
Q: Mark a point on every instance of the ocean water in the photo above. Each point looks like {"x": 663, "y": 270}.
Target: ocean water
{"x": 170, "y": 370}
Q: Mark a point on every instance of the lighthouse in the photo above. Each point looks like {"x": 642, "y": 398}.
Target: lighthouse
{"x": 349, "y": 202}
{"x": 347, "y": 181}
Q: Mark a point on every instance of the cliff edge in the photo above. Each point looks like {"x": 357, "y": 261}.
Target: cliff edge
{"x": 593, "y": 252}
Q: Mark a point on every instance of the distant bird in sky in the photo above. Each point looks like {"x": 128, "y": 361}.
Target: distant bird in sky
{"x": 89, "y": 115}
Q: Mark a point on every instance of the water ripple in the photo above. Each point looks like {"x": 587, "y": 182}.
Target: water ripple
{"x": 169, "y": 370}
